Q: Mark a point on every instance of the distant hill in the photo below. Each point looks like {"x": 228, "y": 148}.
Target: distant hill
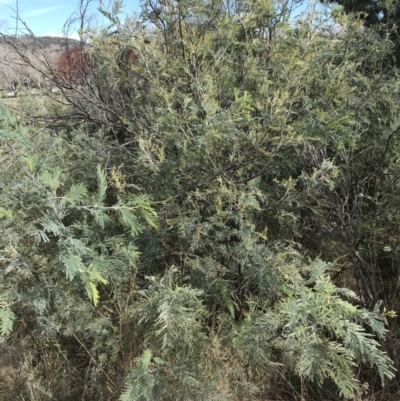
{"x": 13, "y": 69}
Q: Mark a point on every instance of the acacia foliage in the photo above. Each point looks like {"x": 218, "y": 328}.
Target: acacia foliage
{"x": 268, "y": 153}
{"x": 373, "y": 11}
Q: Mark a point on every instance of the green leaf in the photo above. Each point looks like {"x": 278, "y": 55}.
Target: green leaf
{"x": 51, "y": 178}
{"x": 73, "y": 265}
{"x": 142, "y": 204}
{"x": 129, "y": 219}
{"x": 92, "y": 292}
{"x": 139, "y": 383}
{"x": 222, "y": 286}
{"x": 100, "y": 217}
{"x": 39, "y": 236}
{"x": 5, "y": 213}
{"x": 76, "y": 194}
{"x": 91, "y": 277}
{"x": 51, "y": 225}
{"x": 150, "y": 216}
{"x": 7, "y": 318}
{"x": 101, "y": 185}
{"x": 145, "y": 359}
{"x": 158, "y": 361}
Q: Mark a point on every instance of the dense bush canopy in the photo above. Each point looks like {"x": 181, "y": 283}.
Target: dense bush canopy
{"x": 217, "y": 220}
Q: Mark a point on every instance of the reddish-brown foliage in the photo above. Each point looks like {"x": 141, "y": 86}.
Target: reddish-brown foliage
{"x": 73, "y": 65}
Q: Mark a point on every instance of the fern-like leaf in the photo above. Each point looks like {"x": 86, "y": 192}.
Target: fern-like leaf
{"x": 100, "y": 217}
{"x": 101, "y": 186}
{"x": 73, "y": 265}
{"x": 76, "y": 194}
{"x": 226, "y": 296}
{"x": 91, "y": 276}
{"x": 129, "y": 219}
{"x": 7, "y": 318}
{"x": 139, "y": 383}
{"x": 51, "y": 179}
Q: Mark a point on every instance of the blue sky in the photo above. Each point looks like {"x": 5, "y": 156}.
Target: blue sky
{"x": 47, "y": 16}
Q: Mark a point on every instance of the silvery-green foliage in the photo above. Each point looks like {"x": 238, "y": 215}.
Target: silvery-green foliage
{"x": 272, "y": 170}
{"x": 67, "y": 239}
